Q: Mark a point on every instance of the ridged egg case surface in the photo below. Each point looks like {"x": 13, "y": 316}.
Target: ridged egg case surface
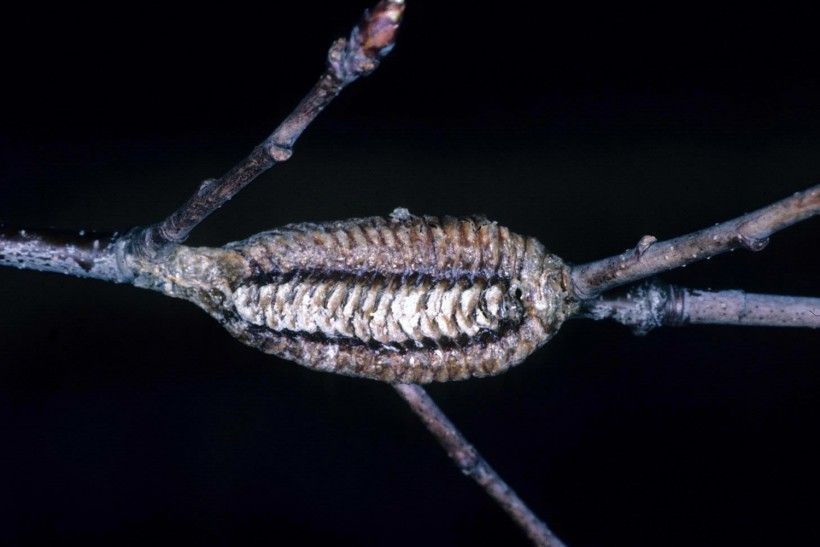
{"x": 400, "y": 299}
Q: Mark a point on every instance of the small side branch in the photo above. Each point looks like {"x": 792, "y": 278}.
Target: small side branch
{"x": 653, "y": 305}
{"x": 75, "y": 253}
{"x": 348, "y": 59}
{"x": 467, "y": 458}
{"x": 650, "y": 257}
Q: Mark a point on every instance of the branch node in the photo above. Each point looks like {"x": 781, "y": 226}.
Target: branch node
{"x": 467, "y": 459}
{"x": 675, "y": 308}
{"x": 280, "y": 153}
{"x": 644, "y": 244}
{"x": 753, "y": 244}
{"x": 206, "y": 186}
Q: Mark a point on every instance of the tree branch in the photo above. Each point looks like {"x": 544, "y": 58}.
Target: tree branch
{"x": 467, "y": 458}
{"x": 651, "y": 305}
{"x": 82, "y": 254}
{"x": 750, "y": 231}
{"x": 348, "y": 59}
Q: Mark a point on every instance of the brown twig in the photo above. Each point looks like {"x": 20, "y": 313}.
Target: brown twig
{"x": 347, "y": 60}
{"x": 78, "y": 253}
{"x": 102, "y": 256}
{"x": 109, "y": 257}
{"x": 652, "y": 305}
{"x": 750, "y": 231}
{"x": 467, "y": 458}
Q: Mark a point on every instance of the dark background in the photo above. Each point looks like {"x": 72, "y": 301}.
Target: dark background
{"x": 127, "y": 417}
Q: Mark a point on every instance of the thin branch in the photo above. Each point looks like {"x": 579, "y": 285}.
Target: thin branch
{"x": 103, "y": 256}
{"x": 348, "y": 59}
{"x": 652, "y": 305}
{"x": 750, "y": 231}
{"x": 470, "y": 462}
{"x": 82, "y": 254}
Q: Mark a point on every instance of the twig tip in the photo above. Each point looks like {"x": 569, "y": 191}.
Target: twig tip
{"x": 378, "y": 27}
{"x": 370, "y": 41}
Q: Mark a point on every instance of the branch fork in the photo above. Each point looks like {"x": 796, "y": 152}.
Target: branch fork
{"x": 646, "y": 307}
{"x": 348, "y": 59}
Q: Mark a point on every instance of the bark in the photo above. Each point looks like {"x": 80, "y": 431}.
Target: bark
{"x": 653, "y": 305}
{"x": 650, "y": 257}
{"x": 82, "y": 254}
{"x": 470, "y": 462}
{"x": 348, "y": 59}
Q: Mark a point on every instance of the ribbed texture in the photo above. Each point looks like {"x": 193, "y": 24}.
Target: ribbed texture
{"x": 390, "y": 311}
{"x": 399, "y": 245}
{"x": 407, "y": 298}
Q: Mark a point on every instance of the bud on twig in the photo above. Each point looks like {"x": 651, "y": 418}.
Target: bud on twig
{"x": 370, "y": 41}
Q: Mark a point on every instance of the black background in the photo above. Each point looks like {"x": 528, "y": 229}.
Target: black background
{"x": 127, "y": 417}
